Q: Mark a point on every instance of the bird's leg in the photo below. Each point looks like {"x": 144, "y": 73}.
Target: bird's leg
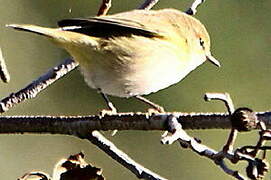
{"x": 157, "y": 107}
{"x": 112, "y": 109}
{"x": 110, "y": 105}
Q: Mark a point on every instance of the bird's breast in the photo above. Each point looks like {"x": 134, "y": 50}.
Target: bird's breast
{"x": 139, "y": 66}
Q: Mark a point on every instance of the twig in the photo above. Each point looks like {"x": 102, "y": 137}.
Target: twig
{"x": 242, "y": 119}
{"x": 4, "y": 75}
{"x": 115, "y": 153}
{"x": 148, "y": 4}
{"x": 262, "y": 139}
{"x": 32, "y": 89}
{"x": 104, "y": 8}
{"x": 193, "y": 9}
{"x": 230, "y": 172}
{"x": 179, "y": 134}
{"x": 225, "y": 97}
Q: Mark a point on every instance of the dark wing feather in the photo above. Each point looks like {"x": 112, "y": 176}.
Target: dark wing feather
{"x": 106, "y": 27}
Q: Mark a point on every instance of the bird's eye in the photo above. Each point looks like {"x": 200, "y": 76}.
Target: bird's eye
{"x": 201, "y": 42}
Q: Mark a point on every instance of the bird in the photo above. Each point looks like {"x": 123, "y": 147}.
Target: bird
{"x": 133, "y": 53}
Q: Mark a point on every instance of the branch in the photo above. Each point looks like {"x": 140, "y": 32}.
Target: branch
{"x": 4, "y": 75}
{"x": 189, "y": 142}
{"x": 32, "y": 89}
{"x": 193, "y": 9}
{"x": 242, "y": 119}
{"x": 224, "y": 97}
{"x": 141, "y": 172}
{"x": 104, "y": 8}
{"x": 148, "y": 4}
{"x": 82, "y": 125}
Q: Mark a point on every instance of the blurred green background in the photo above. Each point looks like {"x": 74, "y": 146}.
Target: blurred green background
{"x": 240, "y": 34}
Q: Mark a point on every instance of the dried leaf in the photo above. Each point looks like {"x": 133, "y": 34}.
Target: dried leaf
{"x": 76, "y": 168}
{"x": 72, "y": 168}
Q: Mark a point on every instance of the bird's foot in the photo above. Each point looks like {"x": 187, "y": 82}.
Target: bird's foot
{"x": 112, "y": 109}
{"x": 108, "y": 112}
{"x": 155, "y": 110}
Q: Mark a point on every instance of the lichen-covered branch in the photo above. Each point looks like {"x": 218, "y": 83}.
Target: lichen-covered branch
{"x": 32, "y": 89}
{"x": 109, "y": 148}
{"x": 81, "y": 125}
{"x": 75, "y": 125}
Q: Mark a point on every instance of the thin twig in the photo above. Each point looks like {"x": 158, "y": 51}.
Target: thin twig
{"x": 4, "y": 75}
{"x": 148, "y": 4}
{"x": 179, "y": 134}
{"x": 229, "y": 171}
{"x": 193, "y": 9}
{"x": 228, "y": 147}
{"x": 262, "y": 139}
{"x": 32, "y": 89}
{"x": 261, "y": 142}
{"x": 104, "y": 8}
{"x": 225, "y": 97}
{"x": 109, "y": 148}
{"x": 256, "y": 168}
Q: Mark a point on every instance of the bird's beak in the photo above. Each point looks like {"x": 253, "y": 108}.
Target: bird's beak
{"x": 213, "y": 60}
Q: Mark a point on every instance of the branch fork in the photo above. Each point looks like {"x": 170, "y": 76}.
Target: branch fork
{"x": 243, "y": 119}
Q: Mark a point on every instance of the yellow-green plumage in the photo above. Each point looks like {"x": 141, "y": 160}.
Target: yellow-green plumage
{"x": 132, "y": 53}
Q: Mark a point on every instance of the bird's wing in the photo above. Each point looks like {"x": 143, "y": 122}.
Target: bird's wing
{"x": 107, "y": 27}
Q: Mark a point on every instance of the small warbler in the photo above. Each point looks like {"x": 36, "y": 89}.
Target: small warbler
{"x": 132, "y": 53}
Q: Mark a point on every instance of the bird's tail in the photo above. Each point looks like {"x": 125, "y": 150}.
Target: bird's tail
{"x": 58, "y": 35}
{"x": 49, "y": 32}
